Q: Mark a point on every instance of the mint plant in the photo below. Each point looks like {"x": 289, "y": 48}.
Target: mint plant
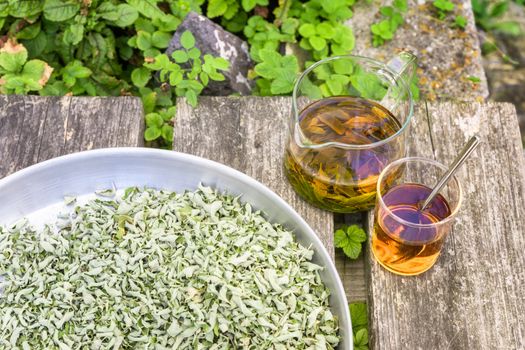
{"x": 386, "y": 28}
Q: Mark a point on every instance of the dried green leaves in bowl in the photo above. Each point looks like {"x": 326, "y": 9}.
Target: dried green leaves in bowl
{"x": 161, "y": 270}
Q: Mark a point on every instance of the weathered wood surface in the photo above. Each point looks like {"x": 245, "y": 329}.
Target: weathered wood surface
{"x": 34, "y": 128}
{"x": 249, "y": 135}
{"x": 474, "y": 297}
{"x": 447, "y": 55}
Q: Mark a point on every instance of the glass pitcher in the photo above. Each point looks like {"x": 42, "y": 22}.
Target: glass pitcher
{"x": 350, "y": 117}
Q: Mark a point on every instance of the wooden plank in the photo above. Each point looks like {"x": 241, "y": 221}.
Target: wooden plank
{"x": 35, "y": 128}
{"x": 473, "y": 297}
{"x": 249, "y": 135}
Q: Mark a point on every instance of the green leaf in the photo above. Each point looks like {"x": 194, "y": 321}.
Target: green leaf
{"x": 34, "y": 69}
{"x": 248, "y": 5}
{"x": 361, "y": 337}
{"x": 29, "y": 32}
{"x": 36, "y": 46}
{"x": 344, "y": 67}
{"x": 60, "y": 10}
{"x": 387, "y": 11}
{"x": 307, "y": 30}
{"x": 317, "y": 42}
{"x": 220, "y": 63}
{"x": 332, "y": 6}
{"x": 401, "y": 5}
{"x": 75, "y": 69}
{"x": 148, "y": 8}
{"x": 140, "y": 76}
{"x": 187, "y": 40}
{"x": 194, "y": 53}
{"x": 152, "y": 133}
{"x": 73, "y": 34}
{"x": 12, "y": 56}
{"x": 180, "y": 56}
{"x": 289, "y": 26}
{"x": 107, "y": 11}
{"x": 349, "y": 239}
{"x": 154, "y": 119}
{"x": 143, "y": 40}
{"x": 127, "y": 15}
{"x": 151, "y": 52}
{"x": 460, "y": 21}
{"x": 216, "y": 8}
{"x": 266, "y": 70}
{"x": 175, "y": 78}
{"x": 149, "y": 100}
{"x": 444, "y": 5}
{"x": 204, "y": 78}
{"x": 167, "y": 132}
{"x": 160, "y": 39}
{"x": 325, "y": 30}
{"x": 281, "y": 86}
{"x": 22, "y": 8}
{"x": 358, "y": 313}
{"x": 474, "y": 79}
{"x": 191, "y": 96}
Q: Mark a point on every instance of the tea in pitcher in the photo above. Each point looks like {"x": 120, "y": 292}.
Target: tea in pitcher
{"x": 333, "y": 176}
{"x": 400, "y": 247}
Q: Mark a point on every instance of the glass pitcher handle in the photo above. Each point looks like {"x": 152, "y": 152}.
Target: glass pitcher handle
{"x": 404, "y": 66}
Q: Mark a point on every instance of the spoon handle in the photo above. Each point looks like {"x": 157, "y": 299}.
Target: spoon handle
{"x": 462, "y": 156}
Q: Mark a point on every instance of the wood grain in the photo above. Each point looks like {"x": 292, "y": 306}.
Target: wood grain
{"x": 249, "y": 135}
{"x": 473, "y": 298}
{"x": 35, "y": 128}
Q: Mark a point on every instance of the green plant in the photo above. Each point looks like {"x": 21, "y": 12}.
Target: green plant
{"x": 17, "y": 74}
{"x": 359, "y": 315}
{"x": 460, "y": 22}
{"x": 488, "y": 17}
{"x": 108, "y": 48}
{"x": 386, "y": 28}
{"x": 443, "y": 7}
{"x": 350, "y": 239}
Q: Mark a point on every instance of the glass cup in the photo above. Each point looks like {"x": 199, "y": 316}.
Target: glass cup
{"x": 350, "y": 117}
{"x": 406, "y": 240}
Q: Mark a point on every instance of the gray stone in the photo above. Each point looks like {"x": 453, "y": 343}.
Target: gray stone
{"x": 212, "y": 39}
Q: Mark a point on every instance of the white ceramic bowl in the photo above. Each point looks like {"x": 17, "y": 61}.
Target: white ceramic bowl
{"x": 37, "y": 193}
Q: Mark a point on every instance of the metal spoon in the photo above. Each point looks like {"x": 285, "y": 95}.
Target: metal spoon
{"x": 462, "y": 156}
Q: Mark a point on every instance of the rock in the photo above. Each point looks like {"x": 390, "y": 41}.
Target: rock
{"x": 212, "y": 39}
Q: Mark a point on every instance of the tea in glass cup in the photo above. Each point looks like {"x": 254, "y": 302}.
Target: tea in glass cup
{"x": 407, "y": 240}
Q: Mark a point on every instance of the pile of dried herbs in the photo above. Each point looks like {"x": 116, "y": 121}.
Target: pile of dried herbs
{"x": 159, "y": 270}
